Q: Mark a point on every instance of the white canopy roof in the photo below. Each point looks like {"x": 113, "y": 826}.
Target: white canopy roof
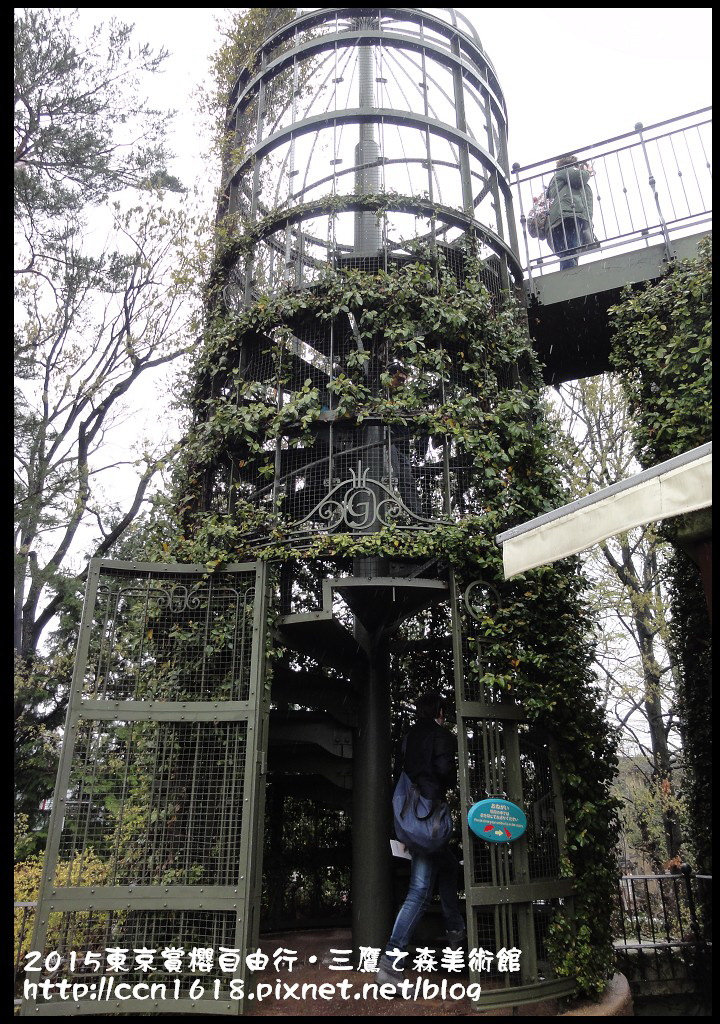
{"x": 682, "y": 484}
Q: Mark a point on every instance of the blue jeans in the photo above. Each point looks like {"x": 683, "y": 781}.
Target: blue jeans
{"x": 567, "y": 236}
{"x": 426, "y": 870}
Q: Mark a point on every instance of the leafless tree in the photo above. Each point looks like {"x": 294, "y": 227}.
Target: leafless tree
{"x": 85, "y": 338}
{"x": 631, "y": 611}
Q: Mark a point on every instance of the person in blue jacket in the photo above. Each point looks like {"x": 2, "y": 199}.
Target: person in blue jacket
{"x": 570, "y": 209}
{"x": 430, "y": 753}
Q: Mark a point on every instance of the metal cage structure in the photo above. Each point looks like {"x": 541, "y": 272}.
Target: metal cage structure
{"x": 153, "y": 828}
{"x": 346, "y": 104}
{"x": 364, "y": 139}
{"x": 359, "y": 138}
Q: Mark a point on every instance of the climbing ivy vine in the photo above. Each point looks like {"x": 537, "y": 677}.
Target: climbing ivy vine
{"x": 473, "y": 380}
{"x": 663, "y": 349}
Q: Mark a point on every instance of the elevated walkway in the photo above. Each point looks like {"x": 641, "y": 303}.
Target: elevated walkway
{"x": 651, "y": 204}
{"x": 568, "y": 309}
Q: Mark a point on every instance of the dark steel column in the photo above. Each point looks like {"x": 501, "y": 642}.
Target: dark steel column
{"x": 694, "y": 537}
{"x": 368, "y": 236}
{"x": 372, "y": 908}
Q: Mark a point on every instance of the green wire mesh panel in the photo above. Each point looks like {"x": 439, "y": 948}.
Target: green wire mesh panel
{"x": 178, "y": 946}
{"x": 158, "y": 801}
{"x": 173, "y": 637}
{"x": 512, "y": 889}
{"x": 153, "y": 843}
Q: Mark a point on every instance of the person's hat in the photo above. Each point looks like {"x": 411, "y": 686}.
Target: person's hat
{"x": 567, "y": 160}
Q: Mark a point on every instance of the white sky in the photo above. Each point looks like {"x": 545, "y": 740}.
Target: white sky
{"x": 571, "y": 76}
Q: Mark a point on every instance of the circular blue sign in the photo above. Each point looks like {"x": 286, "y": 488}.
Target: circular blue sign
{"x": 497, "y": 820}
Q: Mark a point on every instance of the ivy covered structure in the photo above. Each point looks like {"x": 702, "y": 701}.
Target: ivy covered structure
{"x": 663, "y": 349}
{"x": 366, "y": 420}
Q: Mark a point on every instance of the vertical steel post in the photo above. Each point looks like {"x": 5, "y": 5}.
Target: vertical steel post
{"x": 256, "y": 184}
{"x": 493, "y": 143}
{"x": 371, "y": 878}
{"x": 669, "y": 254}
{"x": 368, "y": 239}
{"x": 368, "y": 236}
{"x": 523, "y": 222}
{"x": 62, "y": 784}
{"x": 372, "y": 907}
{"x": 521, "y": 861}
{"x": 461, "y": 123}
{"x": 463, "y": 762}
{"x": 687, "y": 873}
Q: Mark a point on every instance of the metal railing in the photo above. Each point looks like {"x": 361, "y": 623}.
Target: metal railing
{"x": 660, "y": 935}
{"x": 649, "y": 185}
{"x": 352, "y": 487}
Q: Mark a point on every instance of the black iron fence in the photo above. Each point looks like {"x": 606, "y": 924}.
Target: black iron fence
{"x": 662, "y": 931}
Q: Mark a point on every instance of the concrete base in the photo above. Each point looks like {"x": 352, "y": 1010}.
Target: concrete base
{"x": 616, "y": 1001}
{"x": 314, "y": 949}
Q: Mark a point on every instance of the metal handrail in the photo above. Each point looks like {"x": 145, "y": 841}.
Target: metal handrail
{"x": 678, "y": 920}
{"x": 617, "y": 138}
{"x": 656, "y": 186}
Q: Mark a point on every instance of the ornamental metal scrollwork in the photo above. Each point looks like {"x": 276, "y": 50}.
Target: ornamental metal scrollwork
{"x": 360, "y": 502}
{"x": 475, "y": 606}
{"x": 176, "y": 597}
{"x": 180, "y": 598}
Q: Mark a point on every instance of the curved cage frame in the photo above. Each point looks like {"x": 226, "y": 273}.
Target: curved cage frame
{"x": 427, "y": 160}
{"x": 405, "y": 111}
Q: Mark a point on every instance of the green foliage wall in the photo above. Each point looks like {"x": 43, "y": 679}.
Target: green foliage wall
{"x": 662, "y": 347}
{"x": 691, "y": 642}
{"x": 541, "y": 644}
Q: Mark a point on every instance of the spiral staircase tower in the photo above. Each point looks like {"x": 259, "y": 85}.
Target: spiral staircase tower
{"x": 365, "y": 145}
{"x": 363, "y": 136}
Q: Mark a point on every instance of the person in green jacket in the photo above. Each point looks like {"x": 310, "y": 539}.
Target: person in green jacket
{"x": 570, "y": 209}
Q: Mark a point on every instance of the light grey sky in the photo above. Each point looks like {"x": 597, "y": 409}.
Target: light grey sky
{"x": 578, "y": 75}
{"x": 571, "y": 75}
